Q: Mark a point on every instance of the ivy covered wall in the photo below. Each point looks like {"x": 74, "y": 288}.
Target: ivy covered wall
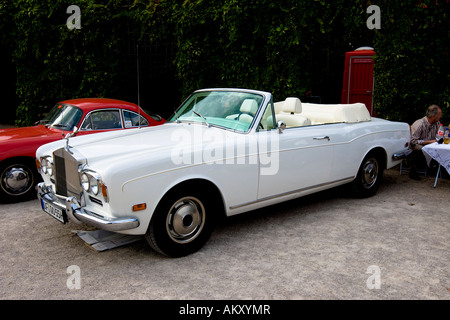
{"x": 412, "y": 65}
{"x": 288, "y": 47}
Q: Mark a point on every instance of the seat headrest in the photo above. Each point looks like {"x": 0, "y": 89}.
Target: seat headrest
{"x": 249, "y": 106}
{"x": 292, "y": 105}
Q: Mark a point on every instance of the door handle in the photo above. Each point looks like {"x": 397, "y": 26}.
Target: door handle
{"x": 322, "y": 138}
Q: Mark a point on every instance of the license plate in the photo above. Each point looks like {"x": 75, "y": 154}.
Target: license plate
{"x": 55, "y": 212}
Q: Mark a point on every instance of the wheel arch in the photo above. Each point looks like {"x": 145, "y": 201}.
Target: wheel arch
{"x": 381, "y": 154}
{"x": 27, "y": 159}
{"x": 167, "y": 231}
{"x": 207, "y": 186}
{"x": 358, "y": 186}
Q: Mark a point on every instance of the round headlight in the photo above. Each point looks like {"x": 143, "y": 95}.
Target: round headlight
{"x": 94, "y": 185}
{"x": 85, "y": 182}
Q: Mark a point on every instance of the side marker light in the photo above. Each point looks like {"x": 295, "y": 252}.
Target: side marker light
{"x": 140, "y": 207}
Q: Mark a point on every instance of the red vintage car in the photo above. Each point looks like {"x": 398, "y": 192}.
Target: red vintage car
{"x": 18, "y": 173}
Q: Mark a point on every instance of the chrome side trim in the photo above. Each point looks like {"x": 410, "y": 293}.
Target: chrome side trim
{"x": 336, "y": 182}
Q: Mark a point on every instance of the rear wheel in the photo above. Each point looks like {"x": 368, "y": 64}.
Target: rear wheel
{"x": 17, "y": 180}
{"x": 181, "y": 224}
{"x": 369, "y": 176}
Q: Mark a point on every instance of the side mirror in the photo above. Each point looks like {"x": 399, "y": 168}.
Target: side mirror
{"x": 281, "y": 126}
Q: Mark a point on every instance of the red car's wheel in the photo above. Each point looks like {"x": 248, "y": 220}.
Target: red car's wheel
{"x": 17, "y": 180}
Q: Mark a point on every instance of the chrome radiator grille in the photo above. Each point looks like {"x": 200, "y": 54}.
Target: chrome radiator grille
{"x": 67, "y": 179}
{"x": 60, "y": 175}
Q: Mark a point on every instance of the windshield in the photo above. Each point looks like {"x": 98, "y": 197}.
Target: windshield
{"x": 228, "y": 109}
{"x": 63, "y": 116}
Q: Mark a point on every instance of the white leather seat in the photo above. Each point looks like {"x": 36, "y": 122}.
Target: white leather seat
{"x": 248, "y": 110}
{"x": 335, "y": 113}
{"x": 291, "y": 113}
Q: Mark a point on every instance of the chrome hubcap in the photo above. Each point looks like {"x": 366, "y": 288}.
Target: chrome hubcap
{"x": 185, "y": 220}
{"x": 370, "y": 173}
{"x": 16, "y": 180}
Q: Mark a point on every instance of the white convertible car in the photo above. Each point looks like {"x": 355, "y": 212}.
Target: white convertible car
{"x": 223, "y": 152}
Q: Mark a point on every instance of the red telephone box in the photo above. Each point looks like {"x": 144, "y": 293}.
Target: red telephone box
{"x": 358, "y": 78}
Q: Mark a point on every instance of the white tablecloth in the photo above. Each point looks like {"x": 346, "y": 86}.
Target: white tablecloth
{"x": 439, "y": 152}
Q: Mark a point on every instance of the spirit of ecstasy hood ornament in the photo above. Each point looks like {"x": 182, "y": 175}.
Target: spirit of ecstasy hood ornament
{"x": 69, "y": 135}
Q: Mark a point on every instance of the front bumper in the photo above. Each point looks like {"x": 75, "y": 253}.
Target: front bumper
{"x": 76, "y": 213}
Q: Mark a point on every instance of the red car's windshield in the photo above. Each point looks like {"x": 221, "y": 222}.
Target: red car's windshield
{"x": 63, "y": 116}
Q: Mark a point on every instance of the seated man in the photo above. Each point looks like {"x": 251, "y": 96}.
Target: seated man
{"x": 423, "y": 132}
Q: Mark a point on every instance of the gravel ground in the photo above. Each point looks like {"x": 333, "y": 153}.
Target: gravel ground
{"x": 394, "y": 245}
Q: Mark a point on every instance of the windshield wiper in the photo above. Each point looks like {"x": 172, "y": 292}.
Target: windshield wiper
{"x": 58, "y": 125}
{"x": 41, "y": 122}
{"x": 198, "y": 114}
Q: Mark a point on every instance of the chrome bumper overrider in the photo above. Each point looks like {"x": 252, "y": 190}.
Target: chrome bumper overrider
{"x": 76, "y": 213}
{"x": 401, "y": 155}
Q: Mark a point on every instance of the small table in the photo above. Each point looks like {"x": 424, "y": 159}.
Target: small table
{"x": 440, "y": 153}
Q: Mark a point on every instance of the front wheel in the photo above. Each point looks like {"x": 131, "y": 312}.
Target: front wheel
{"x": 17, "y": 180}
{"x": 182, "y": 224}
{"x": 369, "y": 177}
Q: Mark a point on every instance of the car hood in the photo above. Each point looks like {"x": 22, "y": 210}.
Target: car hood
{"x": 23, "y": 142}
{"x": 26, "y": 133}
{"x": 125, "y": 146}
